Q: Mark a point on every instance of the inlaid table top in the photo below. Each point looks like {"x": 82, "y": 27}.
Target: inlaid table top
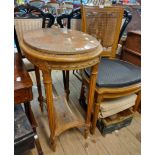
{"x": 60, "y": 41}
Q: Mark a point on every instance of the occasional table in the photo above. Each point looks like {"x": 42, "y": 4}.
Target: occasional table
{"x": 62, "y": 49}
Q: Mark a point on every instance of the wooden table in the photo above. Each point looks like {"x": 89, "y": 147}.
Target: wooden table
{"x": 23, "y": 94}
{"x": 61, "y": 49}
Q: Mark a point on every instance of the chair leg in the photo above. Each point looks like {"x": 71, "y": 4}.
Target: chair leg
{"x": 66, "y": 83}
{"x": 40, "y": 98}
{"x": 82, "y": 91}
{"x": 138, "y": 101}
{"x": 95, "y": 117}
{"x": 64, "y": 79}
{"x": 38, "y": 146}
{"x": 32, "y": 120}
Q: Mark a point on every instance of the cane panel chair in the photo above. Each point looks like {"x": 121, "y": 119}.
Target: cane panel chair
{"x": 116, "y": 78}
{"x": 27, "y": 18}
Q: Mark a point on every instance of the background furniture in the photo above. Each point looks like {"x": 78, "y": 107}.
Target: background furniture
{"x": 23, "y": 94}
{"x": 131, "y": 50}
{"x": 48, "y": 55}
{"x": 27, "y": 18}
{"x": 116, "y": 78}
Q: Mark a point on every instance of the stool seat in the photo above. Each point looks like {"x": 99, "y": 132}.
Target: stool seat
{"x": 116, "y": 73}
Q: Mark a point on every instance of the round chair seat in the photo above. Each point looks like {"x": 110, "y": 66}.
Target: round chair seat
{"x": 116, "y": 73}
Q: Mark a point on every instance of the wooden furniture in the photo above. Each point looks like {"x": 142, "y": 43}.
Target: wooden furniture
{"x": 78, "y": 50}
{"x": 131, "y": 50}
{"x": 23, "y": 93}
{"x": 27, "y": 18}
{"x": 116, "y": 78}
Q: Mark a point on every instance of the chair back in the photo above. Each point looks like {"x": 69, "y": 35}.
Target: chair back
{"x": 28, "y": 18}
{"x": 104, "y": 24}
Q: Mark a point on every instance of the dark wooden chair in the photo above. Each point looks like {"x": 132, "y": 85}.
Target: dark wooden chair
{"x": 25, "y": 137}
{"x": 116, "y": 78}
{"x": 75, "y": 14}
{"x": 27, "y": 18}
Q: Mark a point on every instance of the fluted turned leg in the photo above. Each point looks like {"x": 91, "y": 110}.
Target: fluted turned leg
{"x": 50, "y": 106}
{"x": 95, "y": 117}
{"x": 95, "y": 113}
{"x": 40, "y": 98}
{"x": 92, "y": 85}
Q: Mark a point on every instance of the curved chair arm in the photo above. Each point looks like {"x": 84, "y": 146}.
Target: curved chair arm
{"x": 61, "y": 17}
{"x": 28, "y": 11}
{"x": 75, "y": 14}
{"x": 51, "y": 19}
{"x": 128, "y": 17}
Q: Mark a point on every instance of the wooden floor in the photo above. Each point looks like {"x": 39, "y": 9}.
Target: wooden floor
{"x": 123, "y": 142}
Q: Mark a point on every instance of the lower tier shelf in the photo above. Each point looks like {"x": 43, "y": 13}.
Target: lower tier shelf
{"x": 67, "y": 115}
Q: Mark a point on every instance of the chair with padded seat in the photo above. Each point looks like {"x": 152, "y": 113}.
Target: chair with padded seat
{"x": 27, "y": 17}
{"x": 127, "y": 16}
{"x": 116, "y": 78}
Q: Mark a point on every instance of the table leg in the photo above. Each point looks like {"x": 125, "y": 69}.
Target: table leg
{"x": 92, "y": 85}
{"x": 40, "y": 98}
{"x": 50, "y": 107}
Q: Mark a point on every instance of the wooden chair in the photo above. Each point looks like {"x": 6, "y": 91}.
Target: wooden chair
{"x": 24, "y": 137}
{"x": 127, "y": 16}
{"x": 116, "y": 78}
{"x": 75, "y": 14}
{"x": 27, "y": 18}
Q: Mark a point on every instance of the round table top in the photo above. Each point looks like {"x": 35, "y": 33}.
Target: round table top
{"x": 60, "y": 41}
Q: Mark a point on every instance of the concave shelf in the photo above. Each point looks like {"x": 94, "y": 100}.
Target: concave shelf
{"x": 67, "y": 115}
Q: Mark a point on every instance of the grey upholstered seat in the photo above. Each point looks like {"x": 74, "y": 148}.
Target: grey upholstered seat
{"x": 116, "y": 73}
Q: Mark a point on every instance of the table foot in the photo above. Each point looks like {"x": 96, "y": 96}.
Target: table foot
{"x": 53, "y": 144}
{"x": 86, "y": 132}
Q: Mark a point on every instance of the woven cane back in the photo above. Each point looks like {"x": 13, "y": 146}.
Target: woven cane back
{"x": 104, "y": 24}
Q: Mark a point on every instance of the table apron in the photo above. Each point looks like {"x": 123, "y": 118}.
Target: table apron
{"x": 46, "y": 65}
